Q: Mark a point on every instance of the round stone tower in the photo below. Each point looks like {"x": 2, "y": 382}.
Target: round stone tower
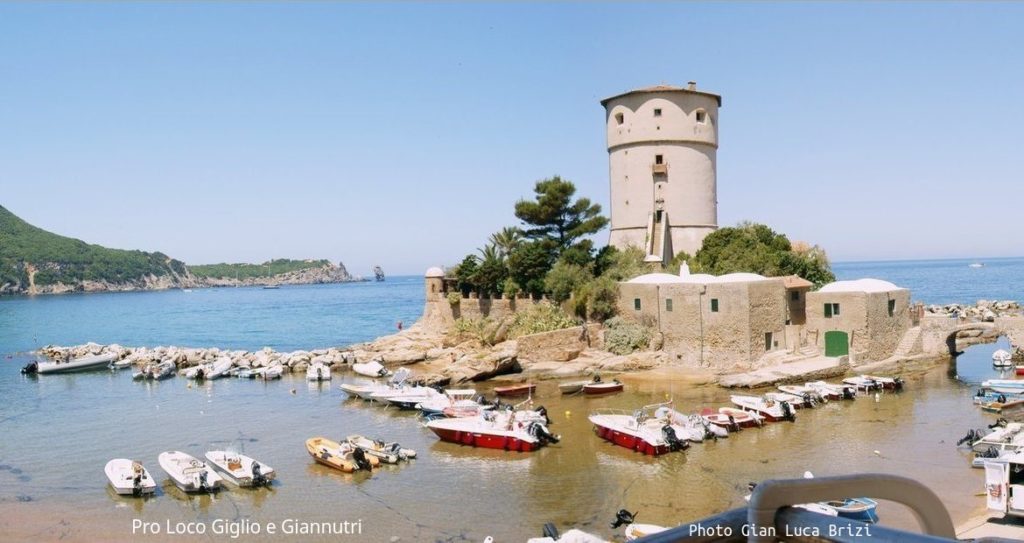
{"x": 662, "y": 143}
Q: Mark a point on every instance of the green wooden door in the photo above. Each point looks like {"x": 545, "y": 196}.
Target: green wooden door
{"x": 837, "y": 343}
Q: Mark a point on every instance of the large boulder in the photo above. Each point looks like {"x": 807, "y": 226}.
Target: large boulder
{"x": 482, "y": 366}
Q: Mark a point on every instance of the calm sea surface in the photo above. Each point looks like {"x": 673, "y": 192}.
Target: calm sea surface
{"x": 57, "y": 432}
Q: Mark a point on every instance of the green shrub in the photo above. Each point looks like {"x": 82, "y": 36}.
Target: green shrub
{"x": 454, "y": 298}
{"x": 626, "y": 336}
{"x": 479, "y": 329}
{"x": 542, "y": 317}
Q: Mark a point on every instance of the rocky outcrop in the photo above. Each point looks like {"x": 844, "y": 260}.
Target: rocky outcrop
{"x": 328, "y": 273}
{"x": 983, "y": 310}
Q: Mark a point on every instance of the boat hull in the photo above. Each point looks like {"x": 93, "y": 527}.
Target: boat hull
{"x": 629, "y": 441}
{"x": 596, "y": 389}
{"x": 484, "y": 440}
{"x": 519, "y": 390}
{"x": 88, "y": 363}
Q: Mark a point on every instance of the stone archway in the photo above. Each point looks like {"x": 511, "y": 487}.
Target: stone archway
{"x": 952, "y": 334}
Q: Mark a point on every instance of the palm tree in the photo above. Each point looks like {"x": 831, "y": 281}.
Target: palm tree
{"x": 506, "y": 239}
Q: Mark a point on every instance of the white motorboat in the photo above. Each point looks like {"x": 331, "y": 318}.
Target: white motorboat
{"x": 318, "y": 371}
{"x": 406, "y": 397}
{"x": 862, "y": 384}
{"x": 886, "y": 383}
{"x": 128, "y": 477}
{"x": 156, "y": 372}
{"x": 492, "y": 432}
{"x": 365, "y": 391}
{"x": 831, "y": 391}
{"x": 794, "y": 400}
{"x": 1002, "y": 438}
{"x": 371, "y": 369}
{"x": 648, "y": 430}
{"x": 240, "y": 469}
{"x": 772, "y": 411}
{"x": 1006, "y": 386}
{"x": 1001, "y": 359}
{"x": 454, "y": 402}
{"x": 390, "y": 453}
{"x": 189, "y": 473}
{"x": 809, "y": 395}
{"x": 220, "y": 368}
{"x": 699, "y": 425}
{"x": 84, "y": 363}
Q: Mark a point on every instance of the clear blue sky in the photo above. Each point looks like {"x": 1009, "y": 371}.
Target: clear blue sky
{"x": 401, "y": 134}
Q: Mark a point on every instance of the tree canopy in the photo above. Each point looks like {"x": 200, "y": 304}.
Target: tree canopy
{"x": 553, "y": 215}
{"x": 752, "y": 247}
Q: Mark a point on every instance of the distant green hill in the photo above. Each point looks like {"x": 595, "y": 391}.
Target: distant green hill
{"x": 252, "y": 271}
{"x": 33, "y": 261}
{"x": 33, "y": 256}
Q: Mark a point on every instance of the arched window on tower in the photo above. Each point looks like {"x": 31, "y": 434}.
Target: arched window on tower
{"x": 619, "y": 118}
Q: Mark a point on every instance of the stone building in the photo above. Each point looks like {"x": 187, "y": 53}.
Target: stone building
{"x": 865, "y": 319}
{"x": 662, "y": 145}
{"x": 726, "y": 322}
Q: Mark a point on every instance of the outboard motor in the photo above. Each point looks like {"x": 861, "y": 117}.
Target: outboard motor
{"x": 733, "y": 425}
{"x": 999, "y": 423}
{"x": 991, "y": 452}
{"x": 623, "y": 518}
{"x": 787, "y": 412}
{"x": 674, "y": 443}
{"x": 849, "y": 393}
{"x": 137, "y": 484}
{"x": 550, "y": 530}
{"x": 897, "y": 383}
{"x": 202, "y": 481}
{"x": 972, "y": 436}
{"x": 361, "y": 461}
{"x": 809, "y": 400}
{"x": 542, "y": 434}
{"x": 258, "y": 479}
{"x": 200, "y": 374}
{"x": 542, "y": 411}
{"x": 30, "y": 369}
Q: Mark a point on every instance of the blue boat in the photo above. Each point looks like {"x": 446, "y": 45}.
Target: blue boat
{"x": 862, "y": 509}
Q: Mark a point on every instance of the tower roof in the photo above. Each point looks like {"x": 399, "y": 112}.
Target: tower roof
{"x": 692, "y": 89}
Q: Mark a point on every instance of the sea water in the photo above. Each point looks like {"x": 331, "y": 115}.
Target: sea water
{"x": 58, "y": 431}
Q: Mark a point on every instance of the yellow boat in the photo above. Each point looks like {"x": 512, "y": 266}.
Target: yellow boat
{"x": 342, "y": 456}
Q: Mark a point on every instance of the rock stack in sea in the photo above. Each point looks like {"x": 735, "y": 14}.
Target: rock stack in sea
{"x": 983, "y": 310}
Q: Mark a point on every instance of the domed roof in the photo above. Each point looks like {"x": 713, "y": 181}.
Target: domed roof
{"x": 657, "y": 278}
{"x": 703, "y": 278}
{"x": 434, "y": 272}
{"x": 860, "y": 285}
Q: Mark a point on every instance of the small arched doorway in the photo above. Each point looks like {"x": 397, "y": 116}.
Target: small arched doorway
{"x": 837, "y": 343}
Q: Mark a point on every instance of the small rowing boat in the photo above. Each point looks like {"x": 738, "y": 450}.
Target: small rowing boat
{"x": 189, "y": 473}
{"x": 371, "y": 369}
{"x": 596, "y": 388}
{"x": 516, "y": 390}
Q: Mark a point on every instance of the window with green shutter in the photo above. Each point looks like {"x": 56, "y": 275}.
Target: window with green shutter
{"x": 668, "y": 304}
{"x": 714, "y": 305}
{"x": 828, "y": 311}
{"x": 636, "y": 304}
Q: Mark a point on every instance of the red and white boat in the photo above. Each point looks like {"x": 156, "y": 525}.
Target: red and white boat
{"x": 493, "y": 431}
{"x": 648, "y": 430}
{"x": 599, "y": 387}
{"x": 744, "y": 419}
{"x": 516, "y": 390}
{"x": 771, "y": 410}
{"x": 1019, "y": 370}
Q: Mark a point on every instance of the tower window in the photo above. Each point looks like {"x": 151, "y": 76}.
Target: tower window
{"x": 795, "y": 295}
{"x": 668, "y": 304}
{"x": 714, "y": 305}
{"x": 659, "y": 159}
{"x": 657, "y": 112}
{"x": 892, "y": 308}
{"x": 636, "y": 304}
{"x": 619, "y": 118}
{"x": 701, "y": 116}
